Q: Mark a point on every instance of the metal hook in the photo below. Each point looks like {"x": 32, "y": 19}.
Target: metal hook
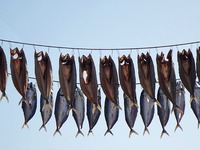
{"x": 1, "y": 43}
{"x": 100, "y": 53}
{"x": 59, "y": 50}
{"x": 48, "y": 49}
{"x": 118, "y": 53}
{"x": 78, "y": 53}
{"x": 73, "y": 52}
{"x": 131, "y": 50}
{"x": 10, "y": 45}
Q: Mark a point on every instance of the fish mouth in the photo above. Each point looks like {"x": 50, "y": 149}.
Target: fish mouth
{"x": 66, "y": 59}
{"x": 41, "y": 56}
{"x": 86, "y": 63}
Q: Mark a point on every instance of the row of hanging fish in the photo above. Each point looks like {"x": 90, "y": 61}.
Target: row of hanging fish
{"x": 108, "y": 80}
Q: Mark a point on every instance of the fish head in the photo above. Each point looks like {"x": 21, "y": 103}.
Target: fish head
{"x": 107, "y": 67}
{"x": 125, "y": 65}
{"x": 185, "y": 58}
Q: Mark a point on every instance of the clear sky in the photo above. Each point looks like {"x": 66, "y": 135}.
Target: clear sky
{"x": 96, "y": 24}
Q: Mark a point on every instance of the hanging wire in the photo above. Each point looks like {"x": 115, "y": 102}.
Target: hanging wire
{"x": 83, "y": 48}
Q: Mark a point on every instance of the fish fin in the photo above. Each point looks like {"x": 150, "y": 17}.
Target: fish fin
{"x": 176, "y": 107}
{"x": 47, "y": 104}
{"x": 43, "y": 126}
{"x": 4, "y": 95}
{"x": 134, "y": 104}
{"x": 192, "y": 97}
{"x": 26, "y": 101}
{"x": 57, "y": 130}
{"x": 146, "y": 130}
{"x": 79, "y": 132}
{"x": 94, "y": 108}
{"x": 178, "y": 126}
{"x": 157, "y": 102}
{"x": 132, "y": 131}
{"x": 117, "y": 107}
{"x": 108, "y": 131}
{"x": 90, "y": 131}
{"x": 164, "y": 131}
{"x": 25, "y": 124}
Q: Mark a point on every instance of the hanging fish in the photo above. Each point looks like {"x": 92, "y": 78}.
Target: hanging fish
{"x": 109, "y": 79}
{"x": 93, "y": 117}
{"x": 187, "y": 70}
{"x": 163, "y": 111}
{"x": 167, "y": 77}
{"x": 19, "y": 73}
{"x": 111, "y": 115}
{"x": 88, "y": 84}
{"x": 198, "y": 63}
{"x": 130, "y": 113}
{"x": 31, "y": 97}
{"x": 180, "y": 101}
{"x": 146, "y": 109}
{"x": 79, "y": 106}
{"x": 46, "y": 113}
{"x": 195, "y": 105}
{"x": 147, "y": 75}
{"x": 61, "y": 111}
{"x": 3, "y": 73}
{"x": 127, "y": 77}
{"x": 67, "y": 76}
{"x": 43, "y": 73}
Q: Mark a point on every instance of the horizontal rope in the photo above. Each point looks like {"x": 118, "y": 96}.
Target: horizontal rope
{"x": 56, "y": 81}
{"x": 83, "y": 48}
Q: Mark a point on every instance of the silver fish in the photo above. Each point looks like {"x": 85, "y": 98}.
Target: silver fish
{"x": 61, "y": 110}
{"x": 130, "y": 112}
{"x": 163, "y": 111}
{"x": 195, "y": 105}
{"x": 79, "y": 113}
{"x": 31, "y": 97}
{"x": 46, "y": 113}
{"x": 93, "y": 117}
{"x": 146, "y": 109}
{"x": 180, "y": 102}
{"x": 111, "y": 113}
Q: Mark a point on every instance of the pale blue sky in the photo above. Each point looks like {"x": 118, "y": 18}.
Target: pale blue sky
{"x": 96, "y": 24}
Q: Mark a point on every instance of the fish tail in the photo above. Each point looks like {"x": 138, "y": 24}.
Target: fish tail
{"x": 178, "y": 126}
{"x": 164, "y": 131}
{"x": 108, "y": 131}
{"x": 158, "y": 103}
{"x": 90, "y": 131}
{"x": 132, "y": 131}
{"x": 57, "y": 131}
{"x": 25, "y": 124}
{"x": 192, "y": 97}
{"x": 79, "y": 132}
{"x": 4, "y": 95}
{"x": 43, "y": 126}
{"x": 146, "y": 130}
{"x": 46, "y": 105}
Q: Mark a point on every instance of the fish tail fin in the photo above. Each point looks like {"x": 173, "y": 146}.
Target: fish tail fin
{"x": 57, "y": 131}
{"x": 79, "y": 132}
{"x": 90, "y": 131}
{"x": 157, "y": 102}
{"x": 192, "y": 97}
{"x": 164, "y": 132}
{"x": 4, "y": 95}
{"x": 146, "y": 130}
{"x": 132, "y": 131}
{"x": 178, "y": 126}
{"x": 25, "y": 124}
{"x": 108, "y": 131}
{"x": 43, "y": 126}
{"x": 46, "y": 105}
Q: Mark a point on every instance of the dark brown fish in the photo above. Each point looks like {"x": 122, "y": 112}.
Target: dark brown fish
{"x": 43, "y": 73}
{"x": 67, "y": 76}
{"x": 109, "y": 79}
{"x": 187, "y": 70}
{"x": 127, "y": 77}
{"x": 19, "y": 73}
{"x": 3, "y": 73}
{"x": 88, "y": 85}
{"x": 198, "y": 63}
{"x": 147, "y": 75}
{"x": 166, "y": 77}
